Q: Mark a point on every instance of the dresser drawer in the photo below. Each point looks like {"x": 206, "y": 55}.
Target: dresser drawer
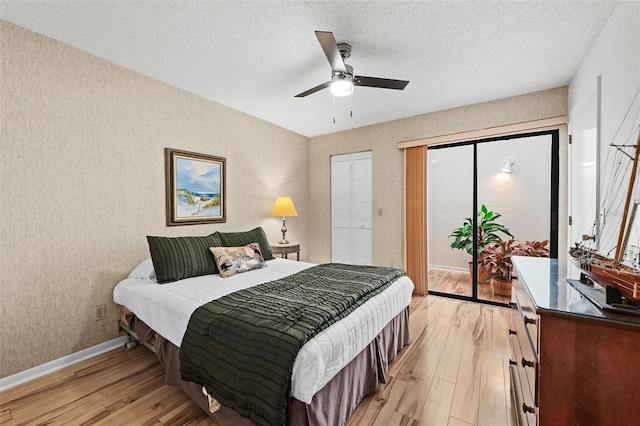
{"x": 526, "y": 410}
{"x": 528, "y": 315}
{"x": 524, "y": 357}
{"x": 523, "y": 354}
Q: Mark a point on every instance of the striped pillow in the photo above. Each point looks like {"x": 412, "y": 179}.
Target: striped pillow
{"x": 183, "y": 257}
{"x": 256, "y": 235}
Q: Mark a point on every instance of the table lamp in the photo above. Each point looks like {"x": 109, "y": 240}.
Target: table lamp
{"x": 284, "y": 207}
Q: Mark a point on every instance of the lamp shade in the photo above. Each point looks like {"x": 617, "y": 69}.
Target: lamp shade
{"x": 341, "y": 88}
{"x": 284, "y": 207}
{"x": 342, "y": 84}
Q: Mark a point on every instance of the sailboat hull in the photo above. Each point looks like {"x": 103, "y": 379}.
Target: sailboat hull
{"x": 626, "y": 282}
{"x": 600, "y": 269}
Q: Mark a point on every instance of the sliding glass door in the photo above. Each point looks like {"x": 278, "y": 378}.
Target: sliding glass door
{"x": 522, "y": 196}
{"x": 450, "y": 201}
{"x": 483, "y": 192}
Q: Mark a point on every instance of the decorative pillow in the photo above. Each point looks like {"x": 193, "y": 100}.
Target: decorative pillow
{"x": 233, "y": 260}
{"x": 256, "y": 235}
{"x": 144, "y": 271}
{"x": 182, "y": 257}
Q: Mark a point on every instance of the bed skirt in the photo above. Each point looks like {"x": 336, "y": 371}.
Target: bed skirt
{"x": 331, "y": 405}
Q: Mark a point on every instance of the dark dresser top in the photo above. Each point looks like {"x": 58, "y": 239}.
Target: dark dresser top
{"x": 546, "y": 282}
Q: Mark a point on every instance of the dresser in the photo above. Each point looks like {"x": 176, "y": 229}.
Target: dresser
{"x": 571, "y": 363}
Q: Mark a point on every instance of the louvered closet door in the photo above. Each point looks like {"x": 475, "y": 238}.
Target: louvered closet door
{"x": 351, "y": 217}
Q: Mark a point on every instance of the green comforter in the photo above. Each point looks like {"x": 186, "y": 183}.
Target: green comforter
{"x": 242, "y": 346}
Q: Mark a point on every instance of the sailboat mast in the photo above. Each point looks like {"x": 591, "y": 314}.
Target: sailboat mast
{"x": 623, "y": 225}
{"x": 631, "y": 219}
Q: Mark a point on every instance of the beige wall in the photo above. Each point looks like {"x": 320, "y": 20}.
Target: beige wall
{"x": 82, "y": 184}
{"x": 388, "y": 165}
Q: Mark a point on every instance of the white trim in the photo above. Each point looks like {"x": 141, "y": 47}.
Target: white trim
{"x": 448, "y": 268}
{"x": 515, "y": 128}
{"x": 57, "y": 364}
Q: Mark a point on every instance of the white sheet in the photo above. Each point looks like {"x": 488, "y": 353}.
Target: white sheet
{"x": 167, "y": 308}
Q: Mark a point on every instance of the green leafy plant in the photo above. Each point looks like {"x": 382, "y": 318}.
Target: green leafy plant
{"x": 496, "y": 257}
{"x": 488, "y": 231}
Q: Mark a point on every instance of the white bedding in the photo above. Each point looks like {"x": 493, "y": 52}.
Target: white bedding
{"x": 167, "y": 308}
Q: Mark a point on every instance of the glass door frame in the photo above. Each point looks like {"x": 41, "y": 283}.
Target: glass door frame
{"x": 554, "y": 204}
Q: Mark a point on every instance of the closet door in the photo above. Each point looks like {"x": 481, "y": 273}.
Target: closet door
{"x": 351, "y": 211}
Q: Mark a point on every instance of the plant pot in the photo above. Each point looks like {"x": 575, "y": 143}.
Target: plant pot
{"x": 483, "y": 274}
{"x": 501, "y": 287}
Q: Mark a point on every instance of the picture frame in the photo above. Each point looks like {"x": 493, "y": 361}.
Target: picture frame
{"x": 195, "y": 188}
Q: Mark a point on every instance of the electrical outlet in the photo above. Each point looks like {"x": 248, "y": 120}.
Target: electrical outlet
{"x": 101, "y": 312}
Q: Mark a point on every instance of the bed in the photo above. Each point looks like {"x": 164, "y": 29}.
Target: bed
{"x": 331, "y": 373}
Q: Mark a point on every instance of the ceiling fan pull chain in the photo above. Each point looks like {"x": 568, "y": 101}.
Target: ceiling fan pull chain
{"x": 334, "y": 109}
{"x": 351, "y": 106}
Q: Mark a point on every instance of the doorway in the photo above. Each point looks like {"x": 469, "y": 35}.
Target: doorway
{"x": 584, "y": 186}
{"x": 462, "y": 178}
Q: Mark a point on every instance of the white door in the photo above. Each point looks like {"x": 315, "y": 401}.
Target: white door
{"x": 351, "y": 211}
{"x": 583, "y": 167}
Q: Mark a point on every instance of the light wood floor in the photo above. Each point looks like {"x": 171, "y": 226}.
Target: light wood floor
{"x": 454, "y": 373}
{"x": 459, "y": 283}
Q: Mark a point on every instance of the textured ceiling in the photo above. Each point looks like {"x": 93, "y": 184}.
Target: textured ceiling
{"x": 256, "y": 56}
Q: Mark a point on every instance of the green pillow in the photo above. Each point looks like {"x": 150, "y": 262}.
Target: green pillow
{"x": 256, "y": 235}
{"x": 183, "y": 257}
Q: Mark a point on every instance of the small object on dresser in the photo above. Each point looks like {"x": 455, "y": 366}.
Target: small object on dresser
{"x": 284, "y": 249}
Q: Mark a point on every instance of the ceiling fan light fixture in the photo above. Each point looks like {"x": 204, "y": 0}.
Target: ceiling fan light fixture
{"x": 341, "y": 84}
{"x": 342, "y": 77}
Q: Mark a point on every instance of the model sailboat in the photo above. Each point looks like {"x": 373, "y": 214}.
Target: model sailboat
{"x": 620, "y": 272}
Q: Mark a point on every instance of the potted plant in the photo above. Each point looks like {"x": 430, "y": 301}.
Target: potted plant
{"x": 496, "y": 259}
{"x": 488, "y": 232}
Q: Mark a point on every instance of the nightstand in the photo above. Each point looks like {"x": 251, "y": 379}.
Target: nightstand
{"x": 284, "y": 249}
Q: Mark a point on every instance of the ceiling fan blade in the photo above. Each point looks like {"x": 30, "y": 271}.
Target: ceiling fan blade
{"x": 330, "y": 47}
{"x": 314, "y": 90}
{"x": 383, "y": 83}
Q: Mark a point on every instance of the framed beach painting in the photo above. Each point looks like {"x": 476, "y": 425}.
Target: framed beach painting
{"x": 195, "y": 188}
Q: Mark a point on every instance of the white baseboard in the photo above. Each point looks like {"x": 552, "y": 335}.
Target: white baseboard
{"x": 449, "y": 268}
{"x": 57, "y": 364}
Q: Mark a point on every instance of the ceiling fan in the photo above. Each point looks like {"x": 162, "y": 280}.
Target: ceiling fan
{"x": 342, "y": 77}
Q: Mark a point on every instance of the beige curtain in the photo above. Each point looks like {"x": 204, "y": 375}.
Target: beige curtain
{"x": 416, "y": 218}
